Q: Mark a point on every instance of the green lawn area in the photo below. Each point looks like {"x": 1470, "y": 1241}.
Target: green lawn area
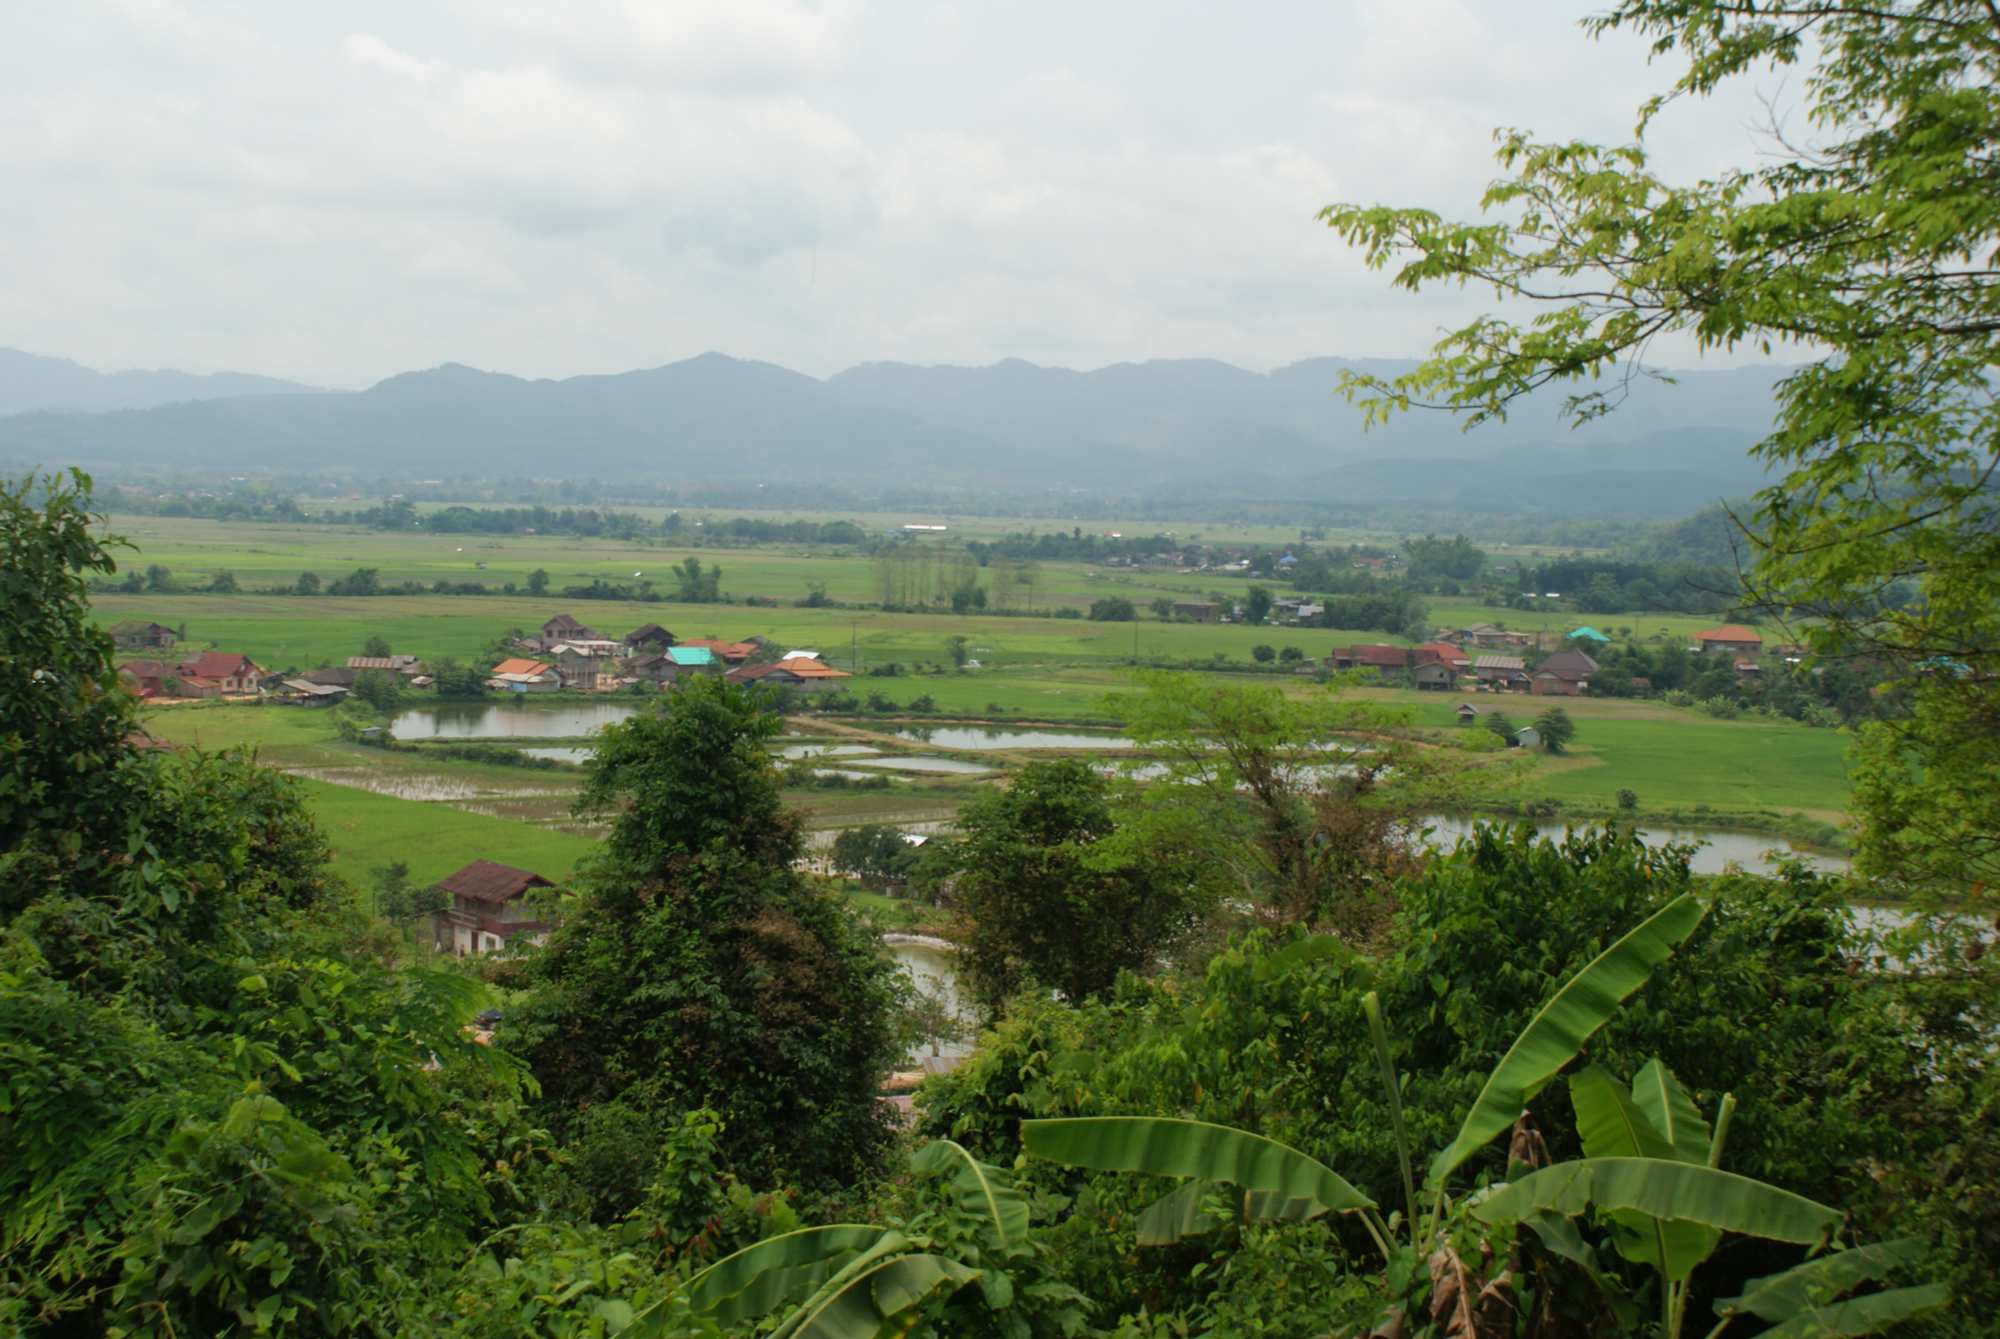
{"x": 367, "y": 830}
{"x": 1686, "y": 763}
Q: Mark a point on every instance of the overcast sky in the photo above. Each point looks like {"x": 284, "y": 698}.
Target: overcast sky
{"x": 337, "y": 192}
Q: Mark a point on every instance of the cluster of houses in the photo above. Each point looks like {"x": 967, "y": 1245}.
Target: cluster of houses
{"x": 1486, "y": 658}
{"x": 563, "y": 656}
{"x": 566, "y": 655}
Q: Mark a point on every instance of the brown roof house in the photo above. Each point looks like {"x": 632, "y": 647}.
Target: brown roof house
{"x": 1564, "y": 674}
{"x": 1387, "y": 661}
{"x": 562, "y": 627}
{"x": 1434, "y": 676}
{"x": 133, "y": 635}
{"x": 651, "y": 637}
{"x": 1501, "y": 673}
{"x": 225, "y": 671}
{"x": 487, "y": 913}
{"x": 1731, "y": 639}
{"x": 407, "y": 666}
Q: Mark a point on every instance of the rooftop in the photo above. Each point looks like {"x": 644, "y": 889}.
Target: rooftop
{"x": 486, "y": 881}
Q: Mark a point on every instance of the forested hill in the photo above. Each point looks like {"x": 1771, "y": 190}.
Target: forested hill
{"x": 1194, "y": 426}
{"x": 31, "y": 382}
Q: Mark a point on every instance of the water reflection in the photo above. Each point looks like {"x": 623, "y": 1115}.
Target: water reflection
{"x": 1719, "y": 848}
{"x": 508, "y": 720}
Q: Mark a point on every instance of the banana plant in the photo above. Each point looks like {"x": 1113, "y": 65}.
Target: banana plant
{"x": 1273, "y": 1181}
{"x": 1652, "y": 1169}
{"x": 1654, "y": 1179}
{"x": 861, "y": 1280}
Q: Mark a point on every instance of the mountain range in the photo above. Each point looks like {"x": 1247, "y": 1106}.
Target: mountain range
{"x": 30, "y": 382}
{"x": 1186, "y": 428}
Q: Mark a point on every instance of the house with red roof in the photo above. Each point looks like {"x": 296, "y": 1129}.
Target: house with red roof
{"x": 806, "y": 676}
{"x": 487, "y": 912}
{"x": 521, "y": 675}
{"x": 1731, "y": 639}
{"x": 1390, "y": 662}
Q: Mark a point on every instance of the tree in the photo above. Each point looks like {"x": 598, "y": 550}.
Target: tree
{"x": 222, "y": 583}
{"x": 455, "y": 679}
{"x": 1263, "y": 654}
{"x": 1290, "y": 655}
{"x": 377, "y": 646}
{"x": 1162, "y": 607}
{"x": 380, "y": 689}
{"x": 1303, "y": 807}
{"x": 696, "y": 966}
{"x": 697, "y": 585}
{"x": 361, "y": 581}
{"x": 1041, "y": 897}
{"x": 1113, "y": 609}
{"x": 1497, "y": 722}
{"x": 1257, "y": 604}
{"x": 307, "y": 584}
{"x": 874, "y": 853}
{"x": 1875, "y": 250}
{"x": 1556, "y": 729}
{"x": 816, "y": 596}
{"x": 159, "y": 579}
{"x": 959, "y": 649}
{"x": 538, "y": 582}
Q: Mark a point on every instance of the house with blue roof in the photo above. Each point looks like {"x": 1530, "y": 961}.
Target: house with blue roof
{"x": 1589, "y": 634}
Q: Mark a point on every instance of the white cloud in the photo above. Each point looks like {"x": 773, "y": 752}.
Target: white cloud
{"x": 339, "y": 193}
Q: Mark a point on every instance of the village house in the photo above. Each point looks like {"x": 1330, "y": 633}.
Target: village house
{"x": 1489, "y": 636}
{"x": 338, "y": 676}
{"x": 1198, "y": 611}
{"x": 1467, "y": 713}
{"x": 306, "y": 693}
{"x": 219, "y": 674}
{"x": 487, "y": 913}
{"x": 729, "y": 653}
{"x": 1564, "y": 674}
{"x": 1588, "y": 635}
{"x": 407, "y": 666}
{"x": 689, "y": 658}
{"x": 659, "y": 668}
{"x": 1500, "y": 674}
{"x": 524, "y": 676}
{"x": 1387, "y": 661}
{"x": 1731, "y": 639}
{"x": 562, "y": 628}
{"x": 804, "y": 675}
{"x": 1434, "y": 676}
{"x": 652, "y": 637}
{"x": 146, "y": 678}
{"x": 1443, "y": 653}
{"x": 133, "y": 635}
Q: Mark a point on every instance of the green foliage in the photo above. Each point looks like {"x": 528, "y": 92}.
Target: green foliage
{"x": 538, "y": 582}
{"x": 1874, "y": 250}
{"x": 1042, "y": 897}
{"x": 1257, "y": 604}
{"x": 1556, "y": 729}
{"x": 696, "y": 967}
{"x": 874, "y": 853}
{"x": 1113, "y": 609}
{"x": 1263, "y": 653}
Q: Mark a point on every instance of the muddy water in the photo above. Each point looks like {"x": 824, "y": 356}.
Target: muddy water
{"x": 919, "y": 763}
{"x": 999, "y": 737}
{"x": 1719, "y": 847}
{"x": 824, "y": 751}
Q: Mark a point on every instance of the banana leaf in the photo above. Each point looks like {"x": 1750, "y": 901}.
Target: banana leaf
{"x": 1657, "y": 1093}
{"x": 1182, "y": 1212}
{"x": 778, "y": 1271}
{"x": 980, "y": 1190}
{"x": 1778, "y": 1297}
{"x": 862, "y": 1304}
{"x": 1611, "y": 1125}
{"x": 1555, "y": 1034}
{"x": 1861, "y": 1315}
{"x": 1173, "y": 1147}
{"x": 1662, "y": 1189}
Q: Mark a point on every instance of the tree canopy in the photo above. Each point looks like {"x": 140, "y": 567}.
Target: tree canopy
{"x": 1869, "y": 247}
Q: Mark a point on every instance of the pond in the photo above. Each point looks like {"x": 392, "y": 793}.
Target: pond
{"x": 919, "y": 763}
{"x": 1719, "y": 847}
{"x": 1001, "y": 737}
{"x": 931, "y": 968}
{"x": 824, "y": 751}
{"x": 509, "y": 720}
{"x": 576, "y": 753}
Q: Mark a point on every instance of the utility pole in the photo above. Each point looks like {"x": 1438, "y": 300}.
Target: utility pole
{"x": 854, "y": 648}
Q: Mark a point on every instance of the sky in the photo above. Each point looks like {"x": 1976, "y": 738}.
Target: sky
{"x": 335, "y": 193}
